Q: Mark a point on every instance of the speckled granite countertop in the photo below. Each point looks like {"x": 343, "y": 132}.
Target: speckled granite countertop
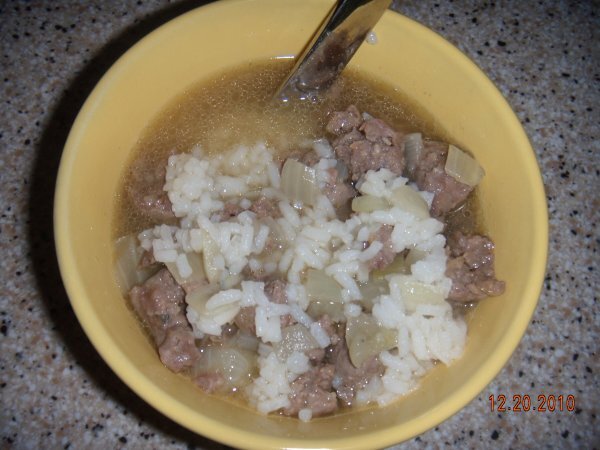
{"x": 55, "y": 390}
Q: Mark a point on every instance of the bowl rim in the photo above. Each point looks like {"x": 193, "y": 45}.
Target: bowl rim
{"x": 135, "y": 379}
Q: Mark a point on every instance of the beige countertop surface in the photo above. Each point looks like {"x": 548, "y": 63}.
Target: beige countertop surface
{"x": 55, "y": 390}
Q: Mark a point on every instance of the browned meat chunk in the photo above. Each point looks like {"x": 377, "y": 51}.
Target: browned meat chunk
{"x": 341, "y": 145}
{"x": 245, "y": 320}
{"x": 376, "y": 130}
{"x": 147, "y": 259}
{"x": 337, "y": 191}
{"x": 275, "y": 291}
{"x": 430, "y": 176}
{"x": 159, "y": 303}
{"x": 342, "y": 122}
{"x": 471, "y": 268}
{"x": 315, "y": 355}
{"x": 313, "y": 390}
{"x": 309, "y": 158}
{"x": 210, "y": 382}
{"x": 178, "y": 351}
{"x": 350, "y": 379}
{"x": 145, "y": 190}
{"x": 265, "y": 207}
{"x": 386, "y": 255}
{"x": 368, "y": 145}
{"x": 367, "y": 156}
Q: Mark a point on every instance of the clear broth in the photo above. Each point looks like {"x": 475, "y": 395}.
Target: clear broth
{"x": 237, "y": 107}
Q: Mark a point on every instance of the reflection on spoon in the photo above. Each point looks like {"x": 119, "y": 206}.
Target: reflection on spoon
{"x": 332, "y": 46}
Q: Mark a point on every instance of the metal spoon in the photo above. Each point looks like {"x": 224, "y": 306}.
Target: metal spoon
{"x": 330, "y": 49}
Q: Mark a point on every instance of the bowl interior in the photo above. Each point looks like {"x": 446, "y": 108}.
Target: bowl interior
{"x": 434, "y": 74}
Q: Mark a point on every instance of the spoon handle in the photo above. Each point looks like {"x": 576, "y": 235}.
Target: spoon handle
{"x": 332, "y": 46}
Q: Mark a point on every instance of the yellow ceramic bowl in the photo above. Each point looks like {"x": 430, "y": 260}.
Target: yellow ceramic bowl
{"x": 210, "y": 39}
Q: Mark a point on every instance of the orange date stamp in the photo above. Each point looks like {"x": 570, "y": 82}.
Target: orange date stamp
{"x": 526, "y": 403}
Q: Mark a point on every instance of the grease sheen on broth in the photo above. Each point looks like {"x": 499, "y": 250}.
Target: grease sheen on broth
{"x": 236, "y": 107}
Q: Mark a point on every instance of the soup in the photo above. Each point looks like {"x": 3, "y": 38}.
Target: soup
{"x": 303, "y": 256}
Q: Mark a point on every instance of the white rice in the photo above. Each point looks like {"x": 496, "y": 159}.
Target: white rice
{"x": 183, "y": 266}
{"x": 320, "y": 335}
{"x": 312, "y": 238}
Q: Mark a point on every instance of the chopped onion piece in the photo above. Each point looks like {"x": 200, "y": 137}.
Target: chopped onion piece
{"x": 413, "y": 148}
{"x": 323, "y": 148}
{"x": 366, "y": 338}
{"x": 197, "y": 299}
{"x": 236, "y": 365}
{"x": 212, "y": 318}
{"x": 295, "y": 338}
{"x": 398, "y": 265}
{"x": 414, "y": 293}
{"x": 245, "y": 341}
{"x": 369, "y": 203}
{"x": 318, "y": 308}
{"x": 299, "y": 182}
{"x": 320, "y": 286}
{"x": 409, "y": 200}
{"x": 230, "y": 280}
{"x": 371, "y": 290}
{"x": 462, "y": 167}
{"x": 197, "y": 278}
{"x": 128, "y": 256}
{"x": 414, "y": 255}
